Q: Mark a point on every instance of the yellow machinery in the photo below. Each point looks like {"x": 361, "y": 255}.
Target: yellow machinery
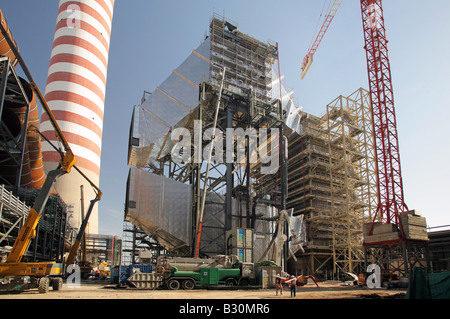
{"x": 41, "y": 275}
{"x": 103, "y": 270}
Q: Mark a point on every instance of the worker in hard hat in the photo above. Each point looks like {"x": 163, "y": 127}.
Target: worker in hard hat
{"x": 278, "y": 284}
{"x": 293, "y": 285}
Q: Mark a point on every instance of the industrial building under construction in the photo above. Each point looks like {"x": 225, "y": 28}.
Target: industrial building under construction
{"x": 230, "y": 182}
{"x": 326, "y": 179}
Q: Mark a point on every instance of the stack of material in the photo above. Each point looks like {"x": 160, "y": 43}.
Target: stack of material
{"x": 380, "y": 233}
{"x": 414, "y": 226}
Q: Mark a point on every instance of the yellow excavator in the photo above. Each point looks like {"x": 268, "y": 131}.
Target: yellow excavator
{"x": 41, "y": 275}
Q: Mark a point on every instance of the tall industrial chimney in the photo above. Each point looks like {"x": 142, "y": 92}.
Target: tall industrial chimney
{"x": 75, "y": 93}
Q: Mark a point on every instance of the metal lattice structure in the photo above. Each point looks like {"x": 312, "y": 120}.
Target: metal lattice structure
{"x": 54, "y": 234}
{"x": 332, "y": 182}
{"x": 308, "y": 59}
{"x": 397, "y": 251}
{"x": 390, "y": 185}
{"x": 352, "y": 171}
{"x": 252, "y": 98}
{"x": 14, "y": 110}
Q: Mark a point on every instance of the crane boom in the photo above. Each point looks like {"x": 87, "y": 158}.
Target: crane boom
{"x": 12, "y": 265}
{"x": 308, "y": 59}
{"x": 390, "y": 186}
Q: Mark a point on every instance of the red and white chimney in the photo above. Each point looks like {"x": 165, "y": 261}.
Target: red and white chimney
{"x": 75, "y": 93}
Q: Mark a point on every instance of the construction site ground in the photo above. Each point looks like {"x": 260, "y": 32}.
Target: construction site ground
{"x": 100, "y": 289}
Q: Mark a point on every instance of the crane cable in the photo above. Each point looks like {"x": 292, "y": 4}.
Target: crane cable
{"x": 319, "y": 22}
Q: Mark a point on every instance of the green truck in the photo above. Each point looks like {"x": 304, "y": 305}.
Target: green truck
{"x": 189, "y": 273}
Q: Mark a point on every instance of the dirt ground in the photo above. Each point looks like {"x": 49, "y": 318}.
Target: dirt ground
{"x": 96, "y": 289}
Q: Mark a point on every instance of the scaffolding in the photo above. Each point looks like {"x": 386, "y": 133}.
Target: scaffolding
{"x": 331, "y": 182}
{"x": 329, "y": 176}
{"x": 14, "y": 159}
{"x": 13, "y": 213}
{"x": 248, "y": 61}
{"x": 54, "y": 235}
{"x": 252, "y": 98}
{"x": 103, "y": 248}
{"x": 136, "y": 240}
{"x": 352, "y": 173}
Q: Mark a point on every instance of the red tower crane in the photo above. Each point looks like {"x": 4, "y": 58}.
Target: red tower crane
{"x": 389, "y": 178}
{"x": 308, "y": 60}
{"x": 390, "y": 186}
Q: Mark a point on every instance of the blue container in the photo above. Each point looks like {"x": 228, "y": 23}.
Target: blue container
{"x": 146, "y": 269}
{"x": 127, "y": 271}
{"x": 115, "y": 274}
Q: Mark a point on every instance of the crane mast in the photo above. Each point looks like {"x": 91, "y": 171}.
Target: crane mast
{"x": 389, "y": 178}
{"x": 390, "y": 186}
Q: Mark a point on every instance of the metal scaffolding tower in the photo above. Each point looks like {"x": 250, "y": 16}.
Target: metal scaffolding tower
{"x": 352, "y": 174}
{"x": 331, "y": 182}
{"x": 253, "y": 103}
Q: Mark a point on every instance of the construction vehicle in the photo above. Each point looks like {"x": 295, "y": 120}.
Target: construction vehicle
{"x": 189, "y": 273}
{"x": 103, "y": 271}
{"x": 17, "y": 275}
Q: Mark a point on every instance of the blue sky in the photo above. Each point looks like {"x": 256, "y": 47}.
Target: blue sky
{"x": 151, "y": 38}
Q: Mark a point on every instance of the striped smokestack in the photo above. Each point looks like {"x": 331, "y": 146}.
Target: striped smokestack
{"x": 75, "y": 93}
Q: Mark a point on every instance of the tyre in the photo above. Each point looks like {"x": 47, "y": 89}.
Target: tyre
{"x": 231, "y": 282}
{"x": 244, "y": 282}
{"x": 44, "y": 284}
{"x": 85, "y": 275}
{"x": 57, "y": 284}
{"x": 173, "y": 284}
{"x": 188, "y": 284}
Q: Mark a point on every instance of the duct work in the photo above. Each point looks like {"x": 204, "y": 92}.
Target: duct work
{"x": 5, "y": 49}
{"x": 187, "y": 95}
{"x": 161, "y": 207}
{"x": 20, "y": 118}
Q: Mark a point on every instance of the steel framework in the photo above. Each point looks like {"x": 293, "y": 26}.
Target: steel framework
{"x": 12, "y": 130}
{"x": 332, "y": 182}
{"x": 353, "y": 190}
{"x": 398, "y": 259}
{"x": 323, "y": 30}
{"x": 236, "y": 190}
{"x": 394, "y": 256}
{"x": 53, "y": 234}
{"x": 390, "y": 186}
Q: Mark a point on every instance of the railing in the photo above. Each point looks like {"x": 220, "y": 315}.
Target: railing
{"x": 12, "y": 212}
{"x": 12, "y": 203}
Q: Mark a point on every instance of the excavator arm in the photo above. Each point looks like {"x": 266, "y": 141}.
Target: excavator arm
{"x": 28, "y": 230}
{"x": 73, "y": 251}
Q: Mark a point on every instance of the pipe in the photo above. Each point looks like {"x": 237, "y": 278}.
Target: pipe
{"x": 5, "y": 49}
{"x": 33, "y": 175}
{"x": 33, "y": 138}
{"x": 8, "y": 165}
{"x": 12, "y": 123}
